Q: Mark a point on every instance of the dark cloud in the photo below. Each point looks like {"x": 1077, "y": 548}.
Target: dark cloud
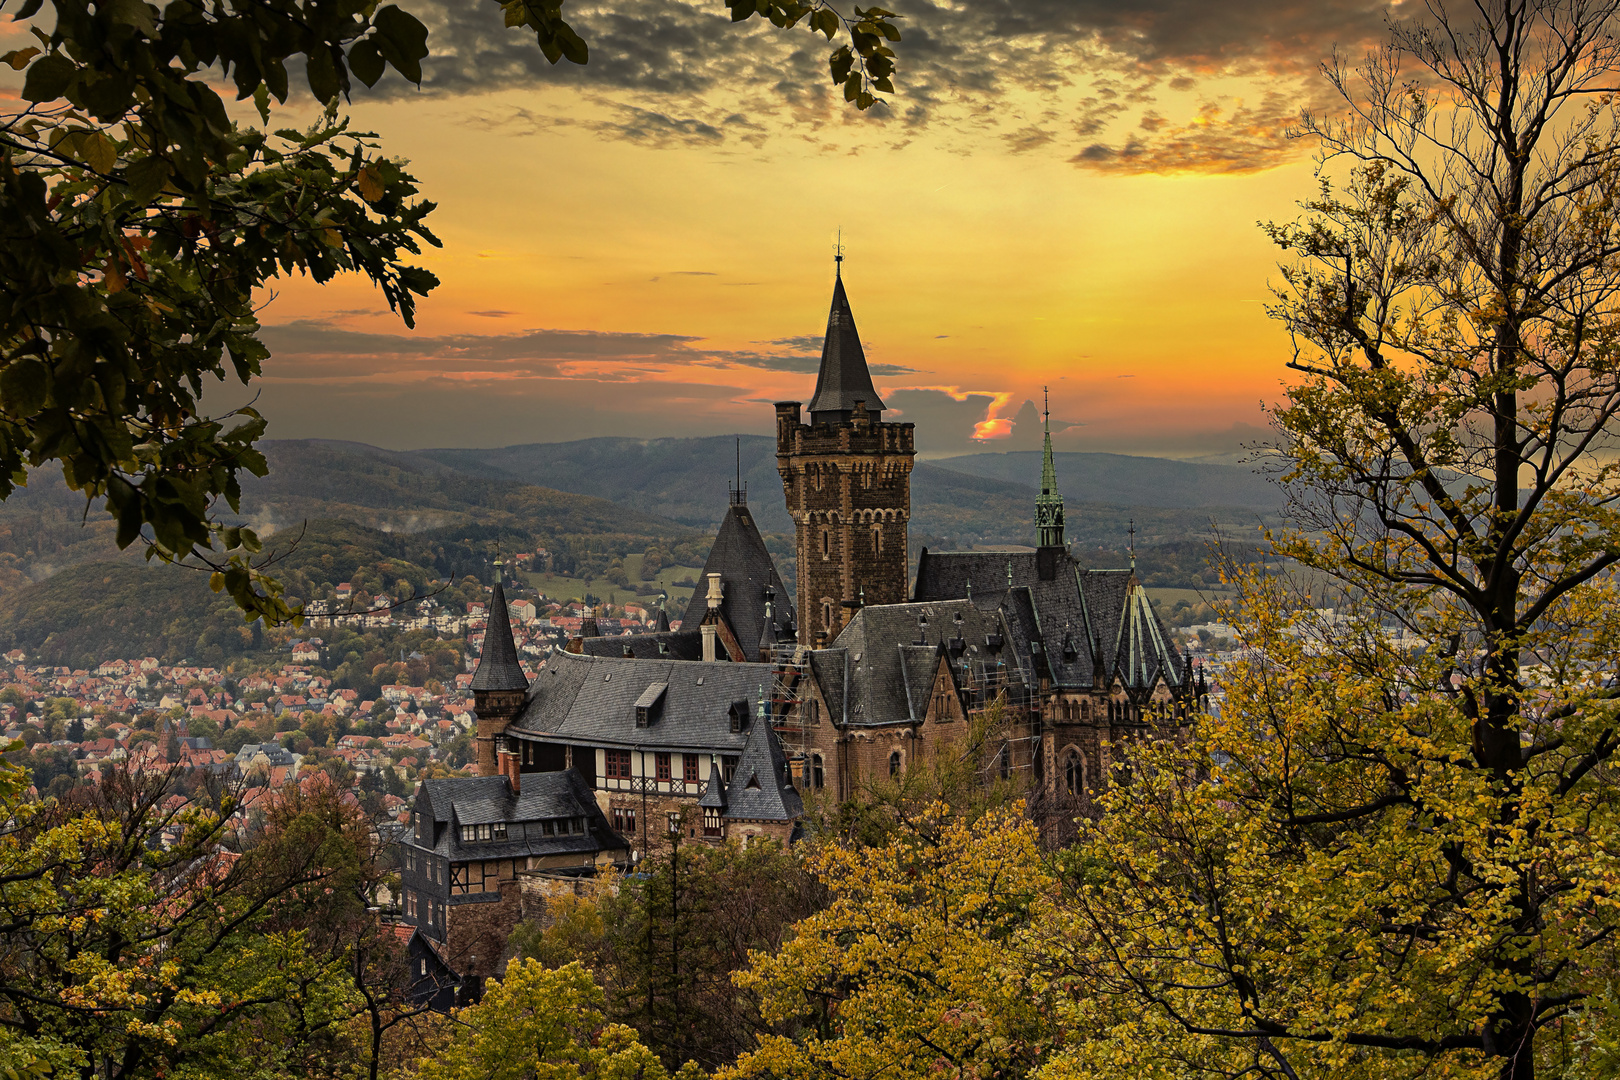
{"x": 945, "y": 419}
{"x": 314, "y": 349}
{"x": 680, "y": 73}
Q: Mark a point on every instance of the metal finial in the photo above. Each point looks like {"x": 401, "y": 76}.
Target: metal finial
{"x": 1009, "y": 575}
{"x": 838, "y": 255}
{"x": 1133, "y": 543}
{"x": 1046, "y": 407}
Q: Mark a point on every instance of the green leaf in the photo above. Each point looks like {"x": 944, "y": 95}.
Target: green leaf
{"x": 24, "y": 386}
{"x": 146, "y": 178}
{"x": 134, "y": 13}
{"x": 261, "y": 102}
{"x": 408, "y": 37}
{"x": 841, "y": 62}
{"x": 323, "y": 76}
{"x": 48, "y": 78}
{"x": 366, "y": 62}
{"x": 99, "y": 152}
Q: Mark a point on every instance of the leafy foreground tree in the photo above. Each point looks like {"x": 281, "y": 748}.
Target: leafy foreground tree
{"x": 137, "y": 220}
{"x": 542, "y": 1023}
{"x": 1394, "y": 853}
{"x": 917, "y": 967}
{"x": 136, "y": 942}
{"x": 665, "y": 943}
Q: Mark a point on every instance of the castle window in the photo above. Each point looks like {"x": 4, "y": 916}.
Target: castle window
{"x": 624, "y": 820}
{"x": 813, "y": 708}
{"x": 826, "y": 544}
{"x": 498, "y": 830}
{"x": 827, "y": 614}
{"x": 711, "y": 823}
{"x": 877, "y": 539}
{"x": 818, "y": 776}
{"x": 894, "y": 763}
{"x": 1074, "y": 773}
{"x": 728, "y": 767}
{"x": 618, "y": 764}
{"x": 689, "y": 768}
{"x": 662, "y": 764}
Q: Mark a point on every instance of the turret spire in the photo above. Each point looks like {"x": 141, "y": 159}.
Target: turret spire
{"x": 1049, "y": 503}
{"x": 844, "y": 379}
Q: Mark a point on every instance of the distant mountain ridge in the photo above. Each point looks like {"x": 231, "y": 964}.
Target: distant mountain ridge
{"x": 984, "y": 497}
{"x": 1124, "y": 480}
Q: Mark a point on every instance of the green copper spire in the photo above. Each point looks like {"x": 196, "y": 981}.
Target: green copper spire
{"x": 1049, "y": 503}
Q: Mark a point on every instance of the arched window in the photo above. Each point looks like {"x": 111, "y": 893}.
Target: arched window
{"x": 894, "y": 763}
{"x": 818, "y": 776}
{"x": 827, "y": 615}
{"x": 826, "y": 544}
{"x": 877, "y": 539}
{"x": 1074, "y": 773}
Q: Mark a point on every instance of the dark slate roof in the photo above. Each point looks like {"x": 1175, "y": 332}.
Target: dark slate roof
{"x": 1091, "y": 610}
{"x": 844, "y": 378}
{"x": 668, "y": 645}
{"x": 590, "y": 700}
{"x": 746, "y": 570}
{"x": 483, "y": 800}
{"x": 714, "y": 792}
{"x": 762, "y": 789}
{"x": 876, "y": 674}
{"x": 498, "y": 667}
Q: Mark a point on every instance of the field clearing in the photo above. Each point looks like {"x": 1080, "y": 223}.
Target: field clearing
{"x": 562, "y": 587}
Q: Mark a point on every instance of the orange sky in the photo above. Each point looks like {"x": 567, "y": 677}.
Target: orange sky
{"x": 1063, "y": 193}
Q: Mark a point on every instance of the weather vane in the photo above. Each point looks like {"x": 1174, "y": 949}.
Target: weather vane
{"x": 838, "y": 252}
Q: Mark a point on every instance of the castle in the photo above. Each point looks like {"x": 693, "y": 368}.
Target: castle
{"x": 724, "y": 728}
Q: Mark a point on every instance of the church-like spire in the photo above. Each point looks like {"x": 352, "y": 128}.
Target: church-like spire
{"x": 844, "y": 378}
{"x": 498, "y": 667}
{"x": 1049, "y": 503}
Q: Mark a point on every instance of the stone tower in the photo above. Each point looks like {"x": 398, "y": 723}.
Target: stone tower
{"x": 847, "y": 477}
{"x": 499, "y": 684}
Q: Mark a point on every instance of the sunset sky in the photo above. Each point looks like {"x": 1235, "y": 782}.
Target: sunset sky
{"x": 1063, "y": 192}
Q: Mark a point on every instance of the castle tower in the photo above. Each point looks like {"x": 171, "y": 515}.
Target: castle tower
{"x": 1050, "y": 547}
{"x": 847, "y": 478}
{"x": 499, "y": 684}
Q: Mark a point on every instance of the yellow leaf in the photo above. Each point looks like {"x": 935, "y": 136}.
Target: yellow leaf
{"x": 370, "y": 182}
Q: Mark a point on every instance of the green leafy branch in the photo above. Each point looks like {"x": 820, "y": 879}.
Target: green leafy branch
{"x": 860, "y": 67}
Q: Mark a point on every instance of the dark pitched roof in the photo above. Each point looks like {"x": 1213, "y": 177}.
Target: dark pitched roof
{"x": 590, "y": 700}
{"x": 484, "y": 800}
{"x": 746, "y": 570}
{"x": 875, "y": 673}
{"x": 761, "y": 788}
{"x": 714, "y": 793}
{"x": 668, "y": 645}
{"x": 844, "y": 378}
{"x": 498, "y": 667}
{"x": 1071, "y": 628}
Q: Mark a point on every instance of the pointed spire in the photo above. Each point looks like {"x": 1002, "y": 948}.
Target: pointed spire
{"x": 1049, "y": 503}
{"x": 498, "y": 667}
{"x": 844, "y": 378}
{"x": 662, "y": 625}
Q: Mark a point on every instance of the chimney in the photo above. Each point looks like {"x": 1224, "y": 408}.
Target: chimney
{"x": 509, "y": 766}
{"x": 715, "y": 593}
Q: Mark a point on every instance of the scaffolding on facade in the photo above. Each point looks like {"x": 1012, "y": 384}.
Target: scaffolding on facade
{"x": 790, "y": 681}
